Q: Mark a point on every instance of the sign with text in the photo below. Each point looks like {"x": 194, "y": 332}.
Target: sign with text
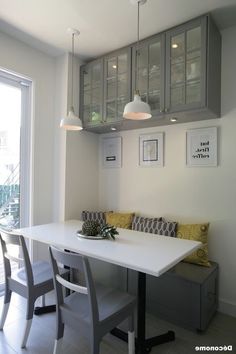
{"x": 111, "y": 152}
{"x": 202, "y": 147}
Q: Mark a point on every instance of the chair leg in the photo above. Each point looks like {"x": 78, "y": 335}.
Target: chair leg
{"x": 26, "y": 333}
{"x": 5, "y": 309}
{"x": 95, "y": 346}
{"x": 43, "y": 303}
{"x": 4, "y": 315}
{"x": 131, "y": 335}
{"x": 57, "y": 346}
{"x": 29, "y": 317}
{"x": 131, "y": 342}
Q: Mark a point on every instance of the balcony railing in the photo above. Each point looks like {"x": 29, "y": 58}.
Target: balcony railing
{"x": 10, "y": 200}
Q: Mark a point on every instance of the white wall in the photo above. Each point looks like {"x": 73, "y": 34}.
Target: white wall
{"x": 17, "y": 57}
{"x": 81, "y": 177}
{"x": 61, "y": 99}
{"x": 20, "y": 58}
{"x": 65, "y": 164}
{"x": 187, "y": 195}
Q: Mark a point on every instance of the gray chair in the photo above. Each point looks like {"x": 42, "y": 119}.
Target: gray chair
{"x": 30, "y": 280}
{"x": 92, "y": 310}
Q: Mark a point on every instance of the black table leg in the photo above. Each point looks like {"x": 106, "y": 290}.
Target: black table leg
{"x": 143, "y": 345}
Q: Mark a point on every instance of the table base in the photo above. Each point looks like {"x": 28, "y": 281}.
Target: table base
{"x": 44, "y": 309}
{"x": 143, "y": 345}
{"x": 147, "y": 344}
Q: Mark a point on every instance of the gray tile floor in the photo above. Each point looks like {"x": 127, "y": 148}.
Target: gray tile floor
{"x": 222, "y": 331}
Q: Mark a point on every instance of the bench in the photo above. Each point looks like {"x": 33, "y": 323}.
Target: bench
{"x": 186, "y": 295}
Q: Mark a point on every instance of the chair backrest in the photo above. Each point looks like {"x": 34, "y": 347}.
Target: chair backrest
{"x": 9, "y": 238}
{"x": 81, "y": 263}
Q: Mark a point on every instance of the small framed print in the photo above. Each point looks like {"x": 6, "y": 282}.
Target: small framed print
{"x": 201, "y": 147}
{"x": 151, "y": 150}
{"x": 111, "y": 152}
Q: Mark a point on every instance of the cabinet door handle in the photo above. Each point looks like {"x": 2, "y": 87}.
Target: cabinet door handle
{"x": 162, "y": 110}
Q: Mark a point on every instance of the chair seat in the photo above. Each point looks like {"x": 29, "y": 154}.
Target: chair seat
{"x": 110, "y": 302}
{"x": 42, "y": 272}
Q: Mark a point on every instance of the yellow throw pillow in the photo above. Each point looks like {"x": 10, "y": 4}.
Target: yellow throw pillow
{"x": 123, "y": 220}
{"x": 196, "y": 232}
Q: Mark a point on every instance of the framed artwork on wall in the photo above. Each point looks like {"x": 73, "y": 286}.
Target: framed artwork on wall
{"x": 201, "y": 147}
{"x": 151, "y": 150}
{"x": 112, "y": 152}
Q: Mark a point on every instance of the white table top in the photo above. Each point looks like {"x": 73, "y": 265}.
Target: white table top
{"x": 140, "y": 251}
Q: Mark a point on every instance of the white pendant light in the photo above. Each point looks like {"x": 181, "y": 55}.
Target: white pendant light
{"x": 71, "y": 121}
{"x": 137, "y": 109}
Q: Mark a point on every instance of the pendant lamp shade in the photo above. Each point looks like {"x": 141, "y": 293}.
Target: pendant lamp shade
{"x": 137, "y": 109}
{"x": 71, "y": 121}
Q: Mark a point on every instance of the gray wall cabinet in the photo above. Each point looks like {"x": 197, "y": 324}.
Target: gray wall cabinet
{"x": 193, "y": 70}
{"x": 178, "y": 72}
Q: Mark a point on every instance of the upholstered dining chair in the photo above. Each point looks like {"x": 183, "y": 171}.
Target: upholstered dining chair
{"x": 30, "y": 280}
{"x": 91, "y": 309}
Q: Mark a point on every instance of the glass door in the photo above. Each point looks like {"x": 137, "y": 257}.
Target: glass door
{"x": 148, "y": 72}
{"x": 186, "y": 58}
{"x": 92, "y": 87}
{"x": 14, "y": 142}
{"x": 117, "y": 85}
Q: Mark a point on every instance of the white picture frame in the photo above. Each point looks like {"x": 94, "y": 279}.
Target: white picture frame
{"x": 201, "y": 147}
{"x": 112, "y": 152}
{"x": 151, "y": 150}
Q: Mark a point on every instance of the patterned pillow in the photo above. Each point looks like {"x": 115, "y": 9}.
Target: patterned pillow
{"x": 95, "y": 216}
{"x": 196, "y": 232}
{"x": 140, "y": 222}
{"x": 156, "y": 226}
{"x": 123, "y": 220}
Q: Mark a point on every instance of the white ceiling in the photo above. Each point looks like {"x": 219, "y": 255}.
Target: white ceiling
{"x": 105, "y": 25}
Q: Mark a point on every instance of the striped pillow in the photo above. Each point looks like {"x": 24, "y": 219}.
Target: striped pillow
{"x": 155, "y": 226}
{"x": 98, "y": 216}
{"x": 141, "y": 223}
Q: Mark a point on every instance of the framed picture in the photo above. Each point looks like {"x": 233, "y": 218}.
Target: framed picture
{"x": 111, "y": 152}
{"x": 201, "y": 147}
{"x": 151, "y": 149}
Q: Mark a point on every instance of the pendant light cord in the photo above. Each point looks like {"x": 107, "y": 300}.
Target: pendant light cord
{"x": 137, "y": 51}
{"x": 72, "y": 70}
{"x": 138, "y": 27}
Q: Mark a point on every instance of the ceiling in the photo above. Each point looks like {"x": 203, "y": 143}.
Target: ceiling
{"x": 105, "y": 25}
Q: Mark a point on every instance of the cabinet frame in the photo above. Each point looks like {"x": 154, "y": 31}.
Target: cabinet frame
{"x": 83, "y": 68}
{"x": 202, "y": 23}
{"x": 145, "y": 43}
{"x": 209, "y": 104}
{"x": 126, "y": 50}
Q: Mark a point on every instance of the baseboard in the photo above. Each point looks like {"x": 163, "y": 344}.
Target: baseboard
{"x": 229, "y": 308}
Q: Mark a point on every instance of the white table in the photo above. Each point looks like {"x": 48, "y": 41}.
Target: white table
{"x": 143, "y": 252}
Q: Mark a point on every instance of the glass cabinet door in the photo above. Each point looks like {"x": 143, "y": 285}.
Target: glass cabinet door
{"x": 92, "y": 88}
{"x": 185, "y": 71}
{"x": 148, "y": 72}
{"x": 117, "y": 85}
